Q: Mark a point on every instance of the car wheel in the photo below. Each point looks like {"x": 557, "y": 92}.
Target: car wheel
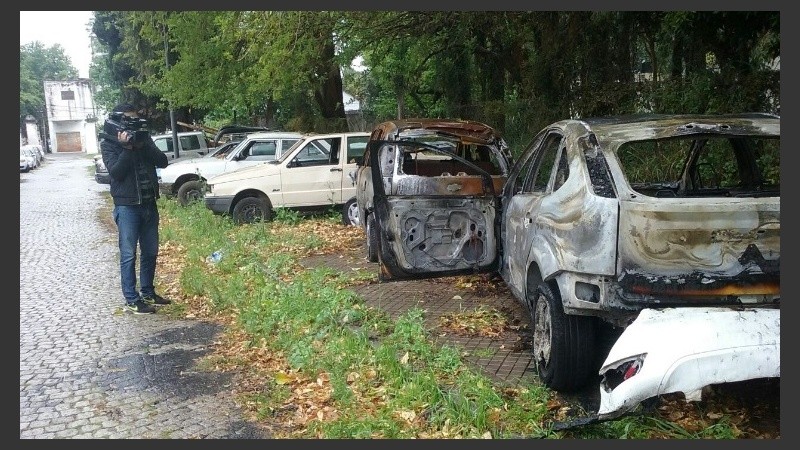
{"x": 350, "y": 213}
{"x": 563, "y": 345}
{"x": 251, "y": 210}
{"x": 372, "y": 239}
{"x": 190, "y": 191}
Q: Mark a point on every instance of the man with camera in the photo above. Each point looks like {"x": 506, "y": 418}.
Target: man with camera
{"x": 132, "y": 158}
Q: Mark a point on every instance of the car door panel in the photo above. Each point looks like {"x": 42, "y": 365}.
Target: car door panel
{"x": 432, "y": 226}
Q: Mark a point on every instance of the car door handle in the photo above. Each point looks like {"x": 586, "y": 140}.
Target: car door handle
{"x": 336, "y": 169}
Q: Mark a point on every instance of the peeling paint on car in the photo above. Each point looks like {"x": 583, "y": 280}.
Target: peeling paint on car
{"x": 615, "y": 219}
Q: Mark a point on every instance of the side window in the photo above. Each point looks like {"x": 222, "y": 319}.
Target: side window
{"x": 318, "y": 152}
{"x": 262, "y": 151}
{"x": 356, "y": 145}
{"x": 165, "y": 145}
{"x": 718, "y": 166}
{"x": 519, "y": 172}
{"x": 540, "y": 175}
{"x": 562, "y": 170}
{"x": 191, "y": 142}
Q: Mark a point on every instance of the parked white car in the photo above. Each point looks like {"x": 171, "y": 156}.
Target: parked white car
{"x": 312, "y": 175}
{"x": 33, "y": 159}
{"x": 186, "y": 179}
{"x": 26, "y": 162}
{"x": 38, "y": 152}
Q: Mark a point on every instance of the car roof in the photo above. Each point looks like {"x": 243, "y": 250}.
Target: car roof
{"x": 651, "y": 126}
{"x": 273, "y": 134}
{"x": 343, "y": 133}
{"x": 459, "y": 127}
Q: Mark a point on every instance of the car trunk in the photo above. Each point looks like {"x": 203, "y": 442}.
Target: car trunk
{"x": 699, "y": 251}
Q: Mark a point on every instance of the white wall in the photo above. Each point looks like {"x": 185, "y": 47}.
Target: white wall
{"x": 71, "y": 115}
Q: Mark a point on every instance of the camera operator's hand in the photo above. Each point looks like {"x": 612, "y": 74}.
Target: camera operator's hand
{"x": 124, "y": 137}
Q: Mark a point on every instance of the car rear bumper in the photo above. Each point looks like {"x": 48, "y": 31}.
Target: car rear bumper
{"x": 219, "y": 205}
{"x": 685, "y": 350}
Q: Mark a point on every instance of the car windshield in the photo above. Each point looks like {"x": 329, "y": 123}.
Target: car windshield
{"x": 224, "y": 149}
{"x": 288, "y": 152}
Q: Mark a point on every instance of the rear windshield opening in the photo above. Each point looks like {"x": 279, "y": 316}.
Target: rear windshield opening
{"x": 703, "y": 166}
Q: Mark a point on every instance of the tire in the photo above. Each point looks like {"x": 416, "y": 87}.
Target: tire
{"x": 251, "y": 210}
{"x": 350, "y": 213}
{"x": 372, "y": 239}
{"x": 563, "y": 345}
{"x": 191, "y": 191}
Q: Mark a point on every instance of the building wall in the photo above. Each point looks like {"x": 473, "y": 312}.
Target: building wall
{"x": 71, "y": 116}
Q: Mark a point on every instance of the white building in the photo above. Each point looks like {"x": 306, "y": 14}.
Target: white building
{"x": 351, "y": 104}
{"x": 71, "y": 116}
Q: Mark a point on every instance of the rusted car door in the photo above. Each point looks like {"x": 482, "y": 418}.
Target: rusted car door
{"x": 436, "y": 210}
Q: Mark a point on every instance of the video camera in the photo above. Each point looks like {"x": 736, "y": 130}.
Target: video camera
{"x": 118, "y": 122}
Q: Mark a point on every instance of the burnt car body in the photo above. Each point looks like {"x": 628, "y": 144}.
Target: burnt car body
{"x": 651, "y": 226}
{"x": 434, "y": 174}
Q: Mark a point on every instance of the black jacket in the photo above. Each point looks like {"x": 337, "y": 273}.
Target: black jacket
{"x": 121, "y": 165}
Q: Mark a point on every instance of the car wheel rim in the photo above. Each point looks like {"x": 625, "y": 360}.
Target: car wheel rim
{"x": 251, "y": 214}
{"x": 193, "y": 195}
{"x": 542, "y": 331}
{"x": 352, "y": 214}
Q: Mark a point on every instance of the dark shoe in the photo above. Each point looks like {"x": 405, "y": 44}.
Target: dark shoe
{"x": 139, "y": 307}
{"x": 155, "y": 299}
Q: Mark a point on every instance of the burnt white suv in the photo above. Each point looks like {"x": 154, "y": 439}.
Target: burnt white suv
{"x": 661, "y": 230}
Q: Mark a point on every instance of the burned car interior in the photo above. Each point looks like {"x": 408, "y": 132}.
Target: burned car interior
{"x": 709, "y": 166}
{"x": 453, "y": 167}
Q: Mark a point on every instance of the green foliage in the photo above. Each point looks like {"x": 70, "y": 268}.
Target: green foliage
{"x": 515, "y": 70}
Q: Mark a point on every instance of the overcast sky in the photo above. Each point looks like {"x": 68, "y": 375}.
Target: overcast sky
{"x": 67, "y": 28}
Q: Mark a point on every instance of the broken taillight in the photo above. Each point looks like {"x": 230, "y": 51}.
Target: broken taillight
{"x": 620, "y": 371}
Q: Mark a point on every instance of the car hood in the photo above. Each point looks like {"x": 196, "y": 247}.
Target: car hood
{"x": 246, "y": 173}
{"x": 192, "y": 160}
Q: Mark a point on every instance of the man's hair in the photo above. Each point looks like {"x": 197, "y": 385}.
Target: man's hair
{"x": 123, "y": 108}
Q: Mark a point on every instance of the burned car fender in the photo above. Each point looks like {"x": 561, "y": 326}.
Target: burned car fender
{"x": 686, "y": 349}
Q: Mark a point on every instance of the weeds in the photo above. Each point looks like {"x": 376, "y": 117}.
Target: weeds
{"x": 316, "y": 362}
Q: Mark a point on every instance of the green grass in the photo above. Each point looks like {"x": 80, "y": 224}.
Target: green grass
{"x": 387, "y": 378}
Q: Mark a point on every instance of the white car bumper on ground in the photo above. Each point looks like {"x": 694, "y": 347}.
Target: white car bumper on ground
{"x": 686, "y": 349}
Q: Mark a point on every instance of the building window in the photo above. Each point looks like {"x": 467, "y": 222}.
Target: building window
{"x": 67, "y": 95}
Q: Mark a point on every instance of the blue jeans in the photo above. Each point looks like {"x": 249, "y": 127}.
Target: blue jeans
{"x": 137, "y": 224}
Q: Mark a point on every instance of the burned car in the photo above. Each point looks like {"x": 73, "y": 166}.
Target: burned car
{"x": 664, "y": 229}
{"x": 422, "y": 161}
